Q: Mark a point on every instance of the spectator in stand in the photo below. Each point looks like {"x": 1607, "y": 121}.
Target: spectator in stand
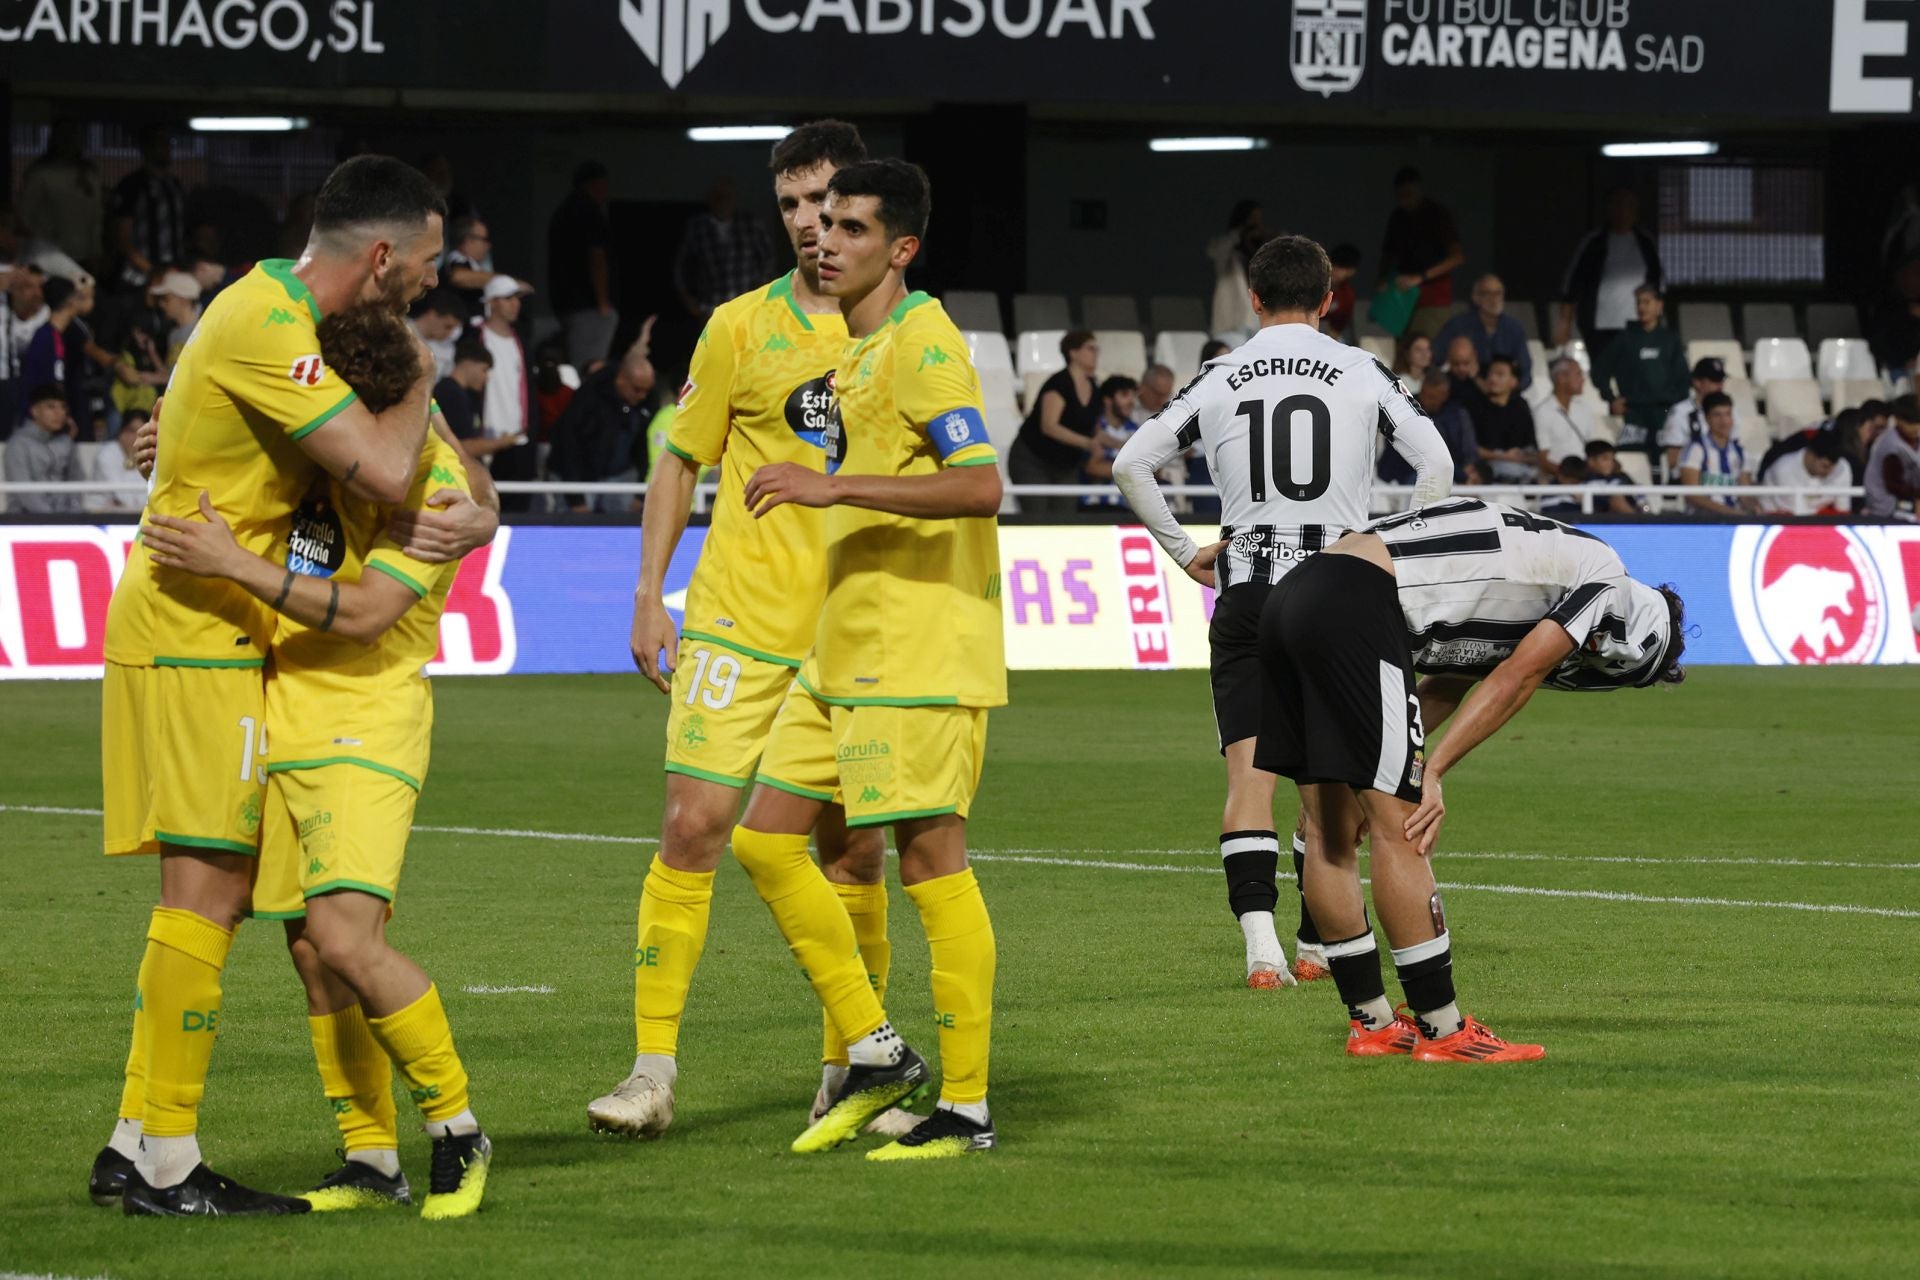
{"x": 503, "y": 413}
{"x": 114, "y": 464}
{"x": 1058, "y": 435}
{"x": 1463, "y": 372}
{"x": 1504, "y": 427}
{"x": 61, "y": 202}
{"x": 177, "y": 299}
{"x": 1644, "y": 374}
{"x": 1858, "y": 433}
{"x": 463, "y": 274}
{"x": 22, "y": 311}
{"x": 580, "y": 267}
{"x": 1603, "y": 471}
{"x": 1450, "y": 419}
{"x": 1716, "y": 458}
{"x": 42, "y": 451}
{"x": 1688, "y": 419}
{"x": 442, "y": 316}
{"x": 1346, "y": 265}
{"x": 601, "y": 437}
{"x": 1893, "y": 332}
{"x": 1892, "y": 478}
{"x": 1491, "y": 330}
{"x": 1213, "y": 349}
{"x": 1232, "y": 312}
{"x": 1610, "y": 264}
{"x": 1817, "y": 473}
{"x": 462, "y": 393}
{"x": 1412, "y": 361}
{"x": 724, "y": 253}
{"x": 1421, "y": 250}
{"x": 149, "y": 213}
{"x": 1570, "y": 471}
{"x": 1563, "y": 422}
{"x": 56, "y": 357}
{"x": 1156, "y": 391}
{"x": 1118, "y": 400}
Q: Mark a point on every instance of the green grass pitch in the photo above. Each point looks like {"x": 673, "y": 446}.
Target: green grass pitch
{"x": 1719, "y": 957}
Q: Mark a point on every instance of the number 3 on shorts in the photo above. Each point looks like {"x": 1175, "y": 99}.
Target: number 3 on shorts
{"x": 714, "y": 678}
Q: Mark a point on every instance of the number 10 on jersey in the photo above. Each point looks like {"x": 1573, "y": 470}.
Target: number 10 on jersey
{"x": 1274, "y": 438}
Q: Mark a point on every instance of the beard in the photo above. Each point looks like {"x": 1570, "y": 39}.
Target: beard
{"x": 397, "y": 293}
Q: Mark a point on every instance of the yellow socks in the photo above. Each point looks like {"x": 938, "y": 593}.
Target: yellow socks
{"x": 179, "y": 1017}
{"x": 866, "y": 906}
{"x": 674, "y": 906}
{"x": 815, "y": 926}
{"x": 420, "y": 1043}
{"x": 358, "y": 1079}
{"x": 960, "y": 936}
{"x": 133, "y": 1090}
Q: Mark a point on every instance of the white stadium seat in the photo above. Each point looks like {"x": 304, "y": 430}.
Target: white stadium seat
{"x": 1122, "y": 351}
{"x": 1831, "y": 320}
{"x": 1780, "y": 358}
{"x": 3, "y": 457}
{"x": 1179, "y": 350}
{"x": 1726, "y": 349}
{"x": 1577, "y": 349}
{"x": 1756, "y": 437}
{"x": 1038, "y": 351}
{"x": 1537, "y": 353}
{"x": 1851, "y": 394}
{"x": 974, "y": 309}
{"x": 1635, "y": 466}
{"x": 1706, "y": 320}
{"x": 1030, "y": 384}
{"x": 1740, "y": 391}
{"x": 1100, "y": 311}
{"x": 989, "y": 349}
{"x": 999, "y": 390}
{"x": 1845, "y": 360}
{"x": 1794, "y": 403}
{"x": 1768, "y": 320}
{"x": 1607, "y": 426}
{"x": 1041, "y": 311}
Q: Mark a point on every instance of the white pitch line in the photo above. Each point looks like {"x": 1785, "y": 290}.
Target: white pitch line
{"x": 1036, "y": 858}
{"x": 541, "y": 990}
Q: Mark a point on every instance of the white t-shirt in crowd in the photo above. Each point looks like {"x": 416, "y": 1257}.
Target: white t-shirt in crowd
{"x": 112, "y": 466}
{"x": 1625, "y": 271}
{"x": 1563, "y": 433}
{"x": 503, "y": 412}
{"x": 1685, "y": 421}
{"x": 1790, "y": 472}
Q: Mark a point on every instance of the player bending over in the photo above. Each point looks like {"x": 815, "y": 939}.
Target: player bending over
{"x": 1474, "y": 588}
{"x": 1289, "y": 423}
{"x": 758, "y": 392}
{"x": 889, "y": 714}
{"x": 352, "y": 716}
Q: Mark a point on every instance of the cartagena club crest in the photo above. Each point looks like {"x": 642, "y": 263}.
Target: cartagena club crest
{"x": 1329, "y": 48}
{"x": 674, "y": 34}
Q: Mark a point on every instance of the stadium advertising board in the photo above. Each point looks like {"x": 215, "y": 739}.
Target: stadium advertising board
{"x": 1558, "y": 56}
{"x": 549, "y": 600}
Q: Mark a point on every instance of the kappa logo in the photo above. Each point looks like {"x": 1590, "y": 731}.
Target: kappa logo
{"x": 1329, "y": 48}
{"x": 1806, "y": 594}
{"x": 278, "y": 315}
{"x": 308, "y": 371}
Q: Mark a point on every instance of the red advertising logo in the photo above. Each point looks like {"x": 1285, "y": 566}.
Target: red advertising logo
{"x": 1809, "y": 594}
{"x": 1149, "y": 603}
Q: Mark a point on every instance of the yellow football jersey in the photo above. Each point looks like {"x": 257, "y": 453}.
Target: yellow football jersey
{"x": 331, "y": 700}
{"x": 758, "y": 393}
{"x": 249, "y": 384}
{"x": 912, "y": 616}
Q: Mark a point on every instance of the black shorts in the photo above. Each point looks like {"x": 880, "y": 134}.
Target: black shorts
{"x": 1233, "y": 640}
{"x": 1339, "y": 704}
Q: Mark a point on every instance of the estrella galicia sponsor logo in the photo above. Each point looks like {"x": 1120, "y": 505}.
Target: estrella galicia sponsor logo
{"x": 1329, "y": 49}
{"x": 676, "y": 35}
{"x": 810, "y": 410}
{"x": 317, "y": 543}
{"x": 834, "y": 437}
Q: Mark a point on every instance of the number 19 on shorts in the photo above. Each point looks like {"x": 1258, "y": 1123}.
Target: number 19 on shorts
{"x": 714, "y": 679}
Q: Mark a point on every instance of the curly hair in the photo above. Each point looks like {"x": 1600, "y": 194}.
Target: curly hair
{"x": 373, "y": 350}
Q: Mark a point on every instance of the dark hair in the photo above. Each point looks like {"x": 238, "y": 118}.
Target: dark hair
{"x": 134, "y": 418}
{"x": 369, "y": 190}
{"x": 1406, "y": 175}
{"x": 833, "y": 142}
{"x": 1825, "y": 444}
{"x": 444, "y": 302}
{"x": 1573, "y": 469}
{"x": 900, "y": 186}
{"x": 1670, "y": 669}
{"x": 1118, "y": 384}
{"x": 1874, "y": 409}
{"x": 1649, "y": 288}
{"x": 1598, "y": 448}
{"x": 1212, "y": 348}
{"x": 462, "y": 228}
{"x": 588, "y": 171}
{"x": 1344, "y": 255}
{"x": 1513, "y": 366}
{"x": 1074, "y": 339}
{"x": 57, "y": 291}
{"x": 47, "y": 391}
{"x": 373, "y": 352}
{"x": 1715, "y": 400}
{"x": 472, "y": 349}
{"x": 1290, "y": 273}
{"x": 1906, "y": 408}
{"x": 1847, "y": 423}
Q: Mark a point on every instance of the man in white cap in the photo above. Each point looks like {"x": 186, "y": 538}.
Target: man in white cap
{"x": 504, "y": 411}
{"x": 176, "y": 295}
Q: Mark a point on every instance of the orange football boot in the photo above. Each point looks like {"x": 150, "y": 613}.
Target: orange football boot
{"x": 1474, "y": 1043}
{"x": 1396, "y": 1037}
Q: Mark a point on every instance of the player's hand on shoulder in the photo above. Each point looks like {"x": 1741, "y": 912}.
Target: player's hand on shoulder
{"x": 655, "y": 642}
{"x": 203, "y": 547}
{"x": 1200, "y": 568}
{"x": 1423, "y": 826}
{"x": 782, "y": 482}
{"x": 453, "y": 525}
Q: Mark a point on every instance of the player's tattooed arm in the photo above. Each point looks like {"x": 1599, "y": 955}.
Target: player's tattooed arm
{"x": 361, "y": 611}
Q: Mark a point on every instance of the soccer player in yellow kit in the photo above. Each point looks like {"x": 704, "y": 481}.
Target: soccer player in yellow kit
{"x": 757, "y": 393}
{"x": 352, "y": 716}
{"x": 889, "y": 713}
{"x": 258, "y": 417}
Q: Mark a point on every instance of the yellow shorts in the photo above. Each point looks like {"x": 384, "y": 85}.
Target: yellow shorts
{"x": 724, "y": 703}
{"x": 884, "y": 764}
{"x": 339, "y": 826}
{"x": 182, "y": 757}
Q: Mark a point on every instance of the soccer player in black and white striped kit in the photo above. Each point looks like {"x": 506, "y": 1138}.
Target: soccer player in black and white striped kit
{"x": 1289, "y": 422}
{"x": 1466, "y": 591}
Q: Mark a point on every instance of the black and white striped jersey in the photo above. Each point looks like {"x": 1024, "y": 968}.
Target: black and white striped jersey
{"x": 1288, "y": 424}
{"x": 1475, "y": 577}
